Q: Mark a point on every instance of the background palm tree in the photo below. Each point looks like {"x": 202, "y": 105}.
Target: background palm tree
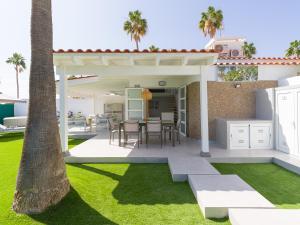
{"x": 42, "y": 179}
{"x": 294, "y": 49}
{"x": 211, "y": 21}
{"x": 153, "y": 48}
{"x": 19, "y": 63}
{"x": 135, "y": 26}
{"x": 249, "y": 49}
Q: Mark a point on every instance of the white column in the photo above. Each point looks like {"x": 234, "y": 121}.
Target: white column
{"x": 63, "y": 109}
{"x": 204, "y": 114}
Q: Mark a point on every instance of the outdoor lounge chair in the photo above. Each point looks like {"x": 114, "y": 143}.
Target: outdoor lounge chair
{"x": 5, "y": 129}
{"x": 131, "y": 127}
{"x": 154, "y": 128}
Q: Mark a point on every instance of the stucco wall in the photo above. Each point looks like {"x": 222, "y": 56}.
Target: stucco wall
{"x": 276, "y": 72}
{"x": 224, "y": 100}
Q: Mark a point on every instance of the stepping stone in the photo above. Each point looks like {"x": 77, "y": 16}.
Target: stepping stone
{"x": 217, "y": 193}
{"x": 182, "y": 166}
{"x": 264, "y": 216}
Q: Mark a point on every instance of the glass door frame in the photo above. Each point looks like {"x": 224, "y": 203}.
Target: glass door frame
{"x": 182, "y": 109}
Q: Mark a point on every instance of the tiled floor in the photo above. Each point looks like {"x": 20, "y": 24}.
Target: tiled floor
{"x": 98, "y": 149}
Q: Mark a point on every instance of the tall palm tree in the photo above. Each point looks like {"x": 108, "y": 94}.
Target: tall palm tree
{"x": 294, "y": 49}
{"x": 135, "y": 26}
{"x": 19, "y": 63}
{"x": 42, "y": 179}
{"x": 249, "y": 49}
{"x": 211, "y": 21}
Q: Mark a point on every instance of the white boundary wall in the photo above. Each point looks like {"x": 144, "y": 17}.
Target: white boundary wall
{"x": 277, "y": 72}
{"x": 87, "y": 106}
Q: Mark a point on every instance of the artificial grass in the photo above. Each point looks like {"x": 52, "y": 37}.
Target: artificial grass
{"x": 133, "y": 193}
{"x": 278, "y": 185}
{"x": 104, "y": 194}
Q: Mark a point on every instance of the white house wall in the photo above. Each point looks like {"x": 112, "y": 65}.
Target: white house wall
{"x": 290, "y": 81}
{"x": 276, "y": 72}
{"x": 102, "y": 100}
{"x": 20, "y": 109}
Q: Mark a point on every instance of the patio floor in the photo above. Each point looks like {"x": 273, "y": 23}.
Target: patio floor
{"x": 98, "y": 150}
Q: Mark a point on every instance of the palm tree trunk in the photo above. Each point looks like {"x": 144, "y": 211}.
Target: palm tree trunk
{"x": 42, "y": 179}
{"x": 137, "y": 45}
{"x": 17, "y": 80}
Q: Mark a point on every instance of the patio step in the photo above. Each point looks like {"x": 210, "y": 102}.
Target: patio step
{"x": 182, "y": 166}
{"x": 264, "y": 216}
{"x": 216, "y": 194}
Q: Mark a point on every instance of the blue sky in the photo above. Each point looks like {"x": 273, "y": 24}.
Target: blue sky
{"x": 271, "y": 25}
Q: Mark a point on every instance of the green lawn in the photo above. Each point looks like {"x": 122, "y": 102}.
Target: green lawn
{"x": 105, "y": 194}
{"x": 133, "y": 193}
{"x": 278, "y": 185}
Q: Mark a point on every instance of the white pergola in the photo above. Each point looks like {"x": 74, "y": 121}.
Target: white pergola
{"x": 191, "y": 64}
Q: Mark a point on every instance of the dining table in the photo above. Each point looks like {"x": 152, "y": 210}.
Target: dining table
{"x": 142, "y": 123}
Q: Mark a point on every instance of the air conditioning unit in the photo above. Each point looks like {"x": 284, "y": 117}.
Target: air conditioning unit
{"x": 236, "y": 53}
{"x": 222, "y": 50}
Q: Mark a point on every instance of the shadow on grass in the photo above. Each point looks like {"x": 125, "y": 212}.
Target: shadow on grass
{"x": 72, "y": 210}
{"x": 6, "y": 137}
{"x": 146, "y": 184}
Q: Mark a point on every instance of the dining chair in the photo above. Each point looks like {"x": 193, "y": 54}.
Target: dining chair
{"x": 153, "y": 118}
{"x": 176, "y": 131}
{"x": 154, "y": 128}
{"x": 167, "y": 116}
{"x": 131, "y": 127}
{"x": 113, "y": 128}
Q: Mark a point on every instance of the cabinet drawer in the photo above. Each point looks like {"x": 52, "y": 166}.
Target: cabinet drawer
{"x": 239, "y": 136}
{"x": 261, "y": 136}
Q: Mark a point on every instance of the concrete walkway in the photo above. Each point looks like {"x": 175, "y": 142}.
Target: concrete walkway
{"x": 216, "y": 194}
{"x": 182, "y": 167}
{"x": 264, "y": 216}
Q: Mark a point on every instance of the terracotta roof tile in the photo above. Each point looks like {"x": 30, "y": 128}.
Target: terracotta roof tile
{"x": 223, "y": 61}
{"x": 258, "y": 58}
{"x": 255, "y": 63}
{"x": 133, "y": 51}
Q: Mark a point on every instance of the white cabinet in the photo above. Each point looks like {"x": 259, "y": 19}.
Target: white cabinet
{"x": 261, "y": 135}
{"x": 245, "y": 134}
{"x": 239, "y": 136}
